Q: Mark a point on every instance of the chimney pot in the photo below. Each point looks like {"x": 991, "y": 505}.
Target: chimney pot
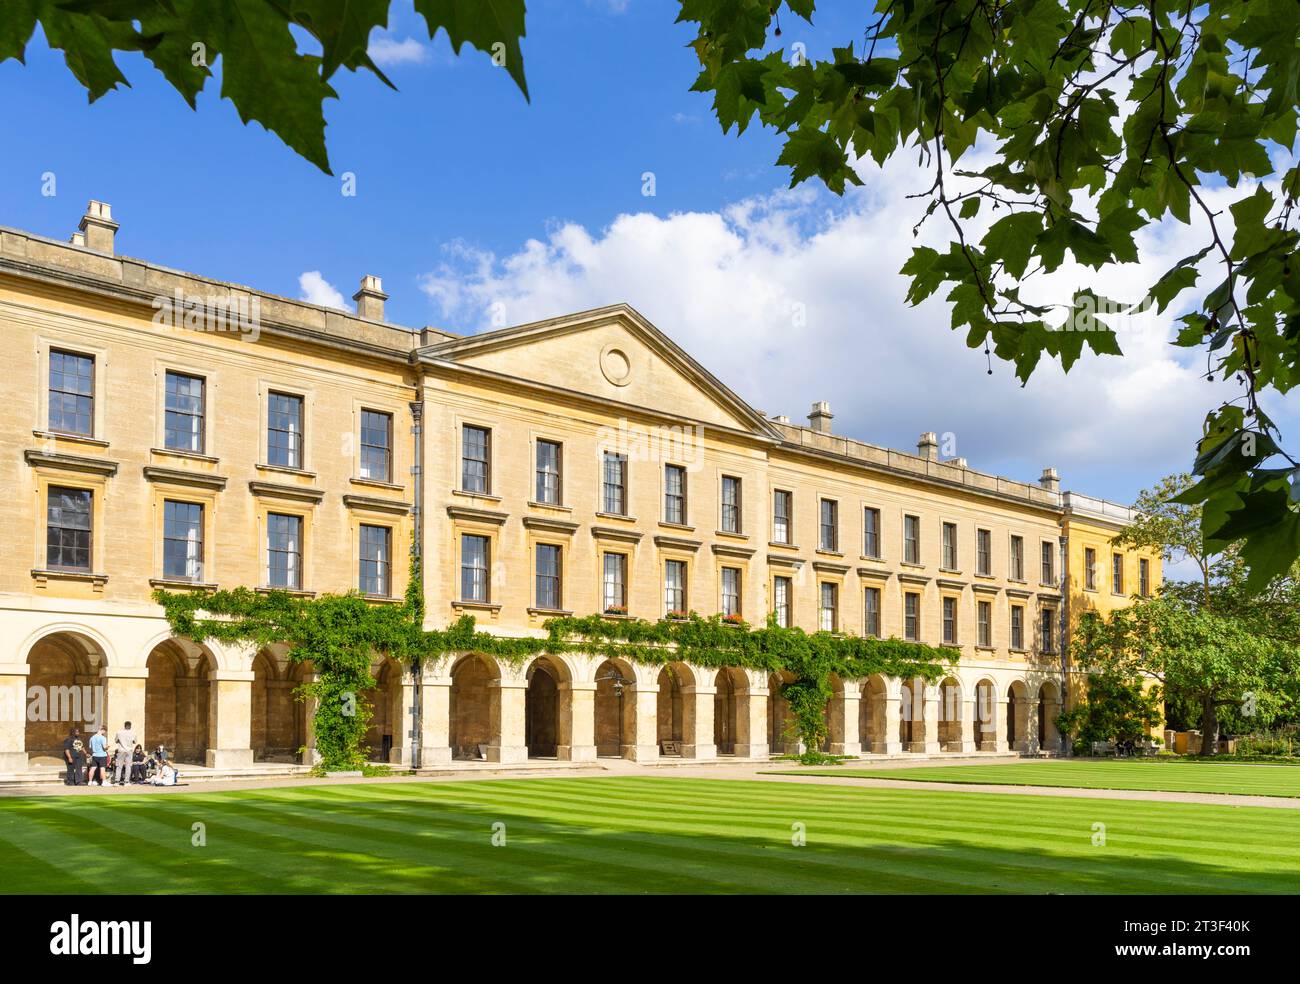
{"x": 97, "y": 229}
{"x": 370, "y": 298}
{"x": 959, "y": 462}
{"x": 820, "y": 417}
{"x": 781, "y": 419}
{"x": 928, "y": 446}
{"x": 1050, "y": 480}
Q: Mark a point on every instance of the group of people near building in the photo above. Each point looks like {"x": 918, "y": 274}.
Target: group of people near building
{"x": 123, "y": 762}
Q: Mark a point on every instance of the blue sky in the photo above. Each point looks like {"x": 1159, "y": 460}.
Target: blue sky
{"x": 471, "y": 201}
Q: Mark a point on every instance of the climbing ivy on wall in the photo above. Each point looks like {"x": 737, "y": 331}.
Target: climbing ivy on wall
{"x": 341, "y": 634}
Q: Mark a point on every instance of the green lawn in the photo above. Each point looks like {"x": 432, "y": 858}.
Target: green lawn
{"x": 1186, "y": 777}
{"x": 636, "y": 834}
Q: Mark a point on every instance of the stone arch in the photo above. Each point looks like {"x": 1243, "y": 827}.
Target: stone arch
{"x": 728, "y": 684}
{"x": 384, "y": 734}
{"x": 91, "y": 641}
{"x": 911, "y": 697}
{"x": 64, "y": 690}
{"x": 781, "y": 737}
{"x": 951, "y": 712}
{"x": 177, "y": 698}
{"x": 615, "y": 707}
{"x": 672, "y": 706}
{"x": 1017, "y": 720}
{"x": 470, "y": 705}
{"x": 274, "y": 717}
{"x": 544, "y": 676}
{"x": 872, "y": 714}
{"x": 983, "y": 724}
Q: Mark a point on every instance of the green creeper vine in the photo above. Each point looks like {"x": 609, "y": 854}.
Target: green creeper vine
{"x": 341, "y": 634}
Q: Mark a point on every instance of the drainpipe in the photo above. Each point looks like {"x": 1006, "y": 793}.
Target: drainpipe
{"x": 1063, "y": 635}
{"x": 417, "y": 515}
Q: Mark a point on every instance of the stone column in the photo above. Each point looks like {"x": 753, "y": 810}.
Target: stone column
{"x": 893, "y": 715}
{"x": 969, "y": 725}
{"x": 310, "y": 756}
{"x": 999, "y": 733}
{"x": 925, "y": 727}
{"x": 642, "y": 709}
{"x": 508, "y": 709}
{"x": 577, "y": 724}
{"x": 124, "y": 700}
{"x": 404, "y": 722}
{"x": 1052, "y": 708}
{"x": 13, "y": 717}
{"x": 845, "y": 739}
{"x": 435, "y": 720}
{"x": 1030, "y": 744}
{"x": 751, "y": 724}
{"x": 697, "y": 722}
{"x": 230, "y": 719}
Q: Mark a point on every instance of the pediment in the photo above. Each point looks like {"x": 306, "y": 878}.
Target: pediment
{"x": 612, "y": 354}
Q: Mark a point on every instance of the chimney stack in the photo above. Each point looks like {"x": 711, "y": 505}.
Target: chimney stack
{"x": 370, "y": 298}
{"x": 959, "y": 462}
{"x": 820, "y": 417}
{"x": 928, "y": 446}
{"x": 97, "y": 228}
{"x": 1050, "y": 480}
{"x": 781, "y": 418}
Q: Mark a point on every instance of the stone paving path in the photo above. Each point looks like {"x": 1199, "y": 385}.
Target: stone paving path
{"x": 722, "y": 770}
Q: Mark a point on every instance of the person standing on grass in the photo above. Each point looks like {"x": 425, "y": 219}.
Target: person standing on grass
{"x": 74, "y": 755}
{"x": 98, "y": 755}
{"x": 124, "y": 743}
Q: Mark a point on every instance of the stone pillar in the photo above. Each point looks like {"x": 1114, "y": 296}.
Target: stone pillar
{"x": 577, "y": 724}
{"x": 845, "y": 739}
{"x": 999, "y": 733}
{"x": 1030, "y": 744}
{"x": 751, "y": 724}
{"x": 124, "y": 700}
{"x": 230, "y": 719}
{"x": 893, "y": 715}
{"x": 642, "y": 708}
{"x": 1052, "y": 708}
{"x": 310, "y": 704}
{"x": 435, "y": 721}
{"x": 508, "y": 709}
{"x": 925, "y": 726}
{"x": 13, "y": 717}
{"x": 968, "y": 725}
{"x": 404, "y": 722}
{"x": 697, "y": 722}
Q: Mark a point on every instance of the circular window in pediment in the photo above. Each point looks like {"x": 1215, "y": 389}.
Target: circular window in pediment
{"x": 615, "y": 365}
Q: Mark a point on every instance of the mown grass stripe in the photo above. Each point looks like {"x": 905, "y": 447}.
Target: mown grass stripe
{"x": 1247, "y": 779}
{"x": 646, "y": 834}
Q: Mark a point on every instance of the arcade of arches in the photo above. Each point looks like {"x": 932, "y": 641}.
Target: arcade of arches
{"x": 235, "y": 709}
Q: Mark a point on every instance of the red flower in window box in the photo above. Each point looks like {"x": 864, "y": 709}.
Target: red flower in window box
{"x": 678, "y": 615}
{"x": 616, "y": 610}
{"x": 732, "y": 620}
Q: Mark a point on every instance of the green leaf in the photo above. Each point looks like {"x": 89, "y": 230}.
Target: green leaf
{"x": 492, "y": 26}
{"x": 1011, "y": 239}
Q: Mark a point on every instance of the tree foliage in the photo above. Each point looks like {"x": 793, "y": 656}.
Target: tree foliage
{"x": 265, "y": 72}
{"x": 1216, "y": 660}
{"x": 1105, "y": 117}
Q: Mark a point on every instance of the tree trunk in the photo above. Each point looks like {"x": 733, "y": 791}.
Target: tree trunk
{"x": 1209, "y": 726}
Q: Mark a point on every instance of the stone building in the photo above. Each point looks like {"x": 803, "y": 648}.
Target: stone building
{"x": 167, "y": 430}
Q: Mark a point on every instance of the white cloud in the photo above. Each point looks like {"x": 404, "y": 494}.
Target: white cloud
{"x": 388, "y": 51}
{"x": 315, "y": 289}
{"x": 795, "y": 296}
